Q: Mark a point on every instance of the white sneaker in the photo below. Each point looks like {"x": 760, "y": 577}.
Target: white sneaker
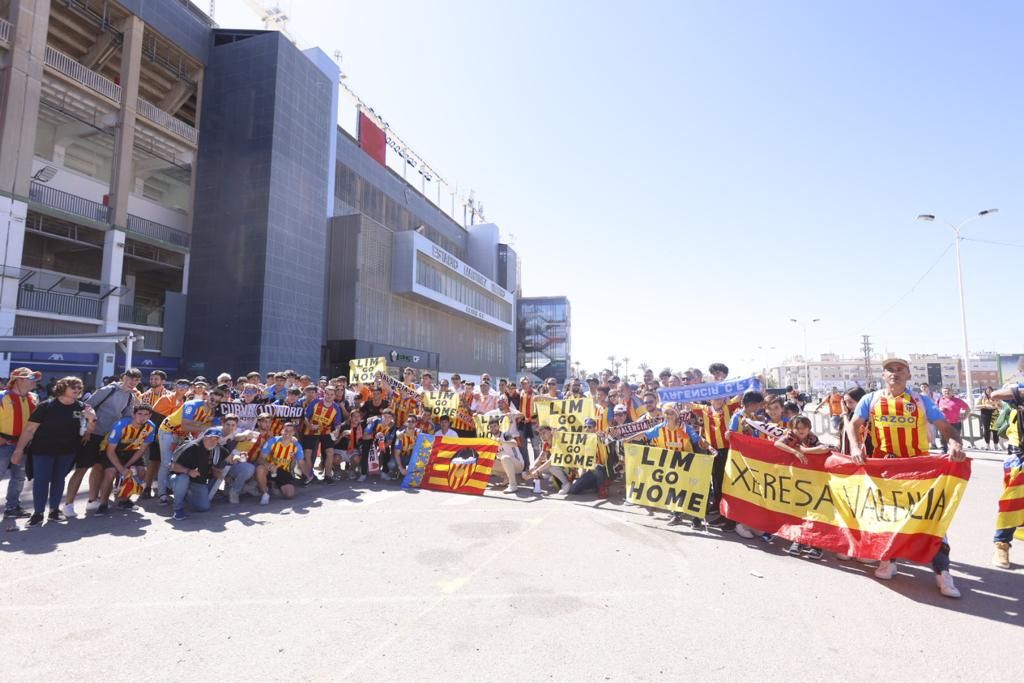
{"x": 946, "y": 586}
{"x": 92, "y": 505}
{"x": 511, "y": 488}
{"x": 362, "y": 477}
{"x": 743, "y": 532}
{"x": 564, "y": 490}
{"x": 264, "y": 499}
{"x": 69, "y": 510}
{"x": 233, "y": 496}
{"x": 886, "y": 570}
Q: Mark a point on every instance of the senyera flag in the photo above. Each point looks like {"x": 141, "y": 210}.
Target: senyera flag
{"x": 460, "y": 465}
{"x": 1011, "y": 503}
{"x": 885, "y": 509}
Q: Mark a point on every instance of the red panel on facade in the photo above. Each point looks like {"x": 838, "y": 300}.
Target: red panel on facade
{"x": 372, "y": 139}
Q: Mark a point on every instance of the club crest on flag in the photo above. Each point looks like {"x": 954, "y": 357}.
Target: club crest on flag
{"x": 461, "y": 469}
{"x": 460, "y": 465}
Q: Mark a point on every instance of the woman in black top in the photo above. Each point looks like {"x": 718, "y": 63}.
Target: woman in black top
{"x": 55, "y": 429}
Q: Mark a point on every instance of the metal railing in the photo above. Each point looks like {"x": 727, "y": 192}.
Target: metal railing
{"x": 70, "y": 203}
{"x": 5, "y": 31}
{"x": 165, "y": 120}
{"x": 77, "y": 72}
{"x": 141, "y": 315}
{"x": 158, "y": 231}
{"x": 33, "y": 299}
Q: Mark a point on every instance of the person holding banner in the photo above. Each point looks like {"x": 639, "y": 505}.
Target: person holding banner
{"x": 526, "y": 407}
{"x": 594, "y": 479}
{"x": 676, "y": 436}
{"x": 899, "y": 420}
{"x": 799, "y": 441}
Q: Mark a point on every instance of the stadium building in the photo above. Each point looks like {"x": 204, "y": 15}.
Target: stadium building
{"x": 189, "y": 186}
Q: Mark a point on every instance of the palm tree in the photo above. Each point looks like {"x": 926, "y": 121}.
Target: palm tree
{"x": 611, "y": 361}
{"x": 625, "y": 359}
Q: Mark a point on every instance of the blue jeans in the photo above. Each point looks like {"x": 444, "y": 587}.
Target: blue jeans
{"x": 1005, "y": 535}
{"x": 167, "y": 443}
{"x": 17, "y": 482}
{"x": 198, "y": 495}
{"x": 241, "y": 473}
{"x": 48, "y": 474}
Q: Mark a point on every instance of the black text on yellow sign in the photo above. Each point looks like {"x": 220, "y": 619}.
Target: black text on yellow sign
{"x": 441, "y": 403}
{"x": 364, "y": 370}
{"x": 670, "y": 480}
{"x": 574, "y": 449}
{"x": 568, "y": 414}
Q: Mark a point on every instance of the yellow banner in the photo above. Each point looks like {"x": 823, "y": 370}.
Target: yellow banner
{"x": 574, "y": 449}
{"x": 364, "y": 370}
{"x": 481, "y": 425}
{"x": 567, "y": 414}
{"x": 669, "y": 480}
{"x": 870, "y": 504}
{"x": 441, "y": 403}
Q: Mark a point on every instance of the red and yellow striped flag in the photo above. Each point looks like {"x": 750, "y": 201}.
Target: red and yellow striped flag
{"x": 884, "y": 509}
{"x": 460, "y": 465}
{"x": 1011, "y": 503}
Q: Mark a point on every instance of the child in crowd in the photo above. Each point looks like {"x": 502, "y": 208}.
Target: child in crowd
{"x": 800, "y": 441}
{"x": 542, "y": 469}
{"x": 790, "y": 409}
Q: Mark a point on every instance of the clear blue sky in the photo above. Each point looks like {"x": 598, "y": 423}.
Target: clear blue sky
{"x": 693, "y": 174}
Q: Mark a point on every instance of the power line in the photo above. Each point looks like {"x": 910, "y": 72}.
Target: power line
{"x": 912, "y": 288}
{"x": 1002, "y": 244}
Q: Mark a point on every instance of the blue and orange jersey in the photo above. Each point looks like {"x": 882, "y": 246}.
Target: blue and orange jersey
{"x": 407, "y": 404}
{"x": 14, "y": 412}
{"x": 899, "y": 424}
{"x": 128, "y": 436}
{"x": 601, "y": 418}
{"x": 282, "y": 453}
{"x": 195, "y": 410}
{"x": 635, "y": 408}
{"x": 322, "y": 417}
{"x": 679, "y": 438}
{"x": 407, "y": 441}
{"x": 715, "y": 423}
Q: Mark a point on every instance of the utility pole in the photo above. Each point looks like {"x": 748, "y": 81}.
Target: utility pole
{"x": 866, "y": 348}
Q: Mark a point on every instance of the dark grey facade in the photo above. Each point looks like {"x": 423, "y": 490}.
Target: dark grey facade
{"x": 256, "y": 286}
{"x": 178, "y": 20}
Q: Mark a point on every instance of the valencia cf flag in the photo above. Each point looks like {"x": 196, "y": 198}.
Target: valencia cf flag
{"x": 460, "y": 465}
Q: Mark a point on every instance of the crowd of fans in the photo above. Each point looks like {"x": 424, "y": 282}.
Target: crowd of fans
{"x": 183, "y": 444}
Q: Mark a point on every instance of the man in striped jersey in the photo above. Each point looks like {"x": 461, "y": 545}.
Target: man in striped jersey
{"x": 899, "y": 420}
{"x": 16, "y": 404}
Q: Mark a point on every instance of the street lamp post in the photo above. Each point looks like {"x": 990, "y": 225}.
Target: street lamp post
{"x": 807, "y": 361}
{"x": 960, "y": 285}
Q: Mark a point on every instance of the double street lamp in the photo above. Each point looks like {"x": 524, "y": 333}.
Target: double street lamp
{"x": 960, "y": 284}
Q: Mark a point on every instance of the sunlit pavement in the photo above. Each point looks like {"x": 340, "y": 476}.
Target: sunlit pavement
{"x": 373, "y": 583}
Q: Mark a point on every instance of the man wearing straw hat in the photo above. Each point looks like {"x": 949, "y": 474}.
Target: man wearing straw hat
{"x": 16, "y": 404}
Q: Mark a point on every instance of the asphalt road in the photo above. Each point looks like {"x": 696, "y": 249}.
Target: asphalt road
{"x": 373, "y": 583}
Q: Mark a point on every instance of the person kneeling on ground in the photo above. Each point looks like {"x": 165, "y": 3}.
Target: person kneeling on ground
{"x": 508, "y": 459}
{"x": 543, "y": 469}
{"x": 594, "y": 479}
{"x": 800, "y": 442}
{"x": 192, "y": 472}
{"x": 281, "y": 454}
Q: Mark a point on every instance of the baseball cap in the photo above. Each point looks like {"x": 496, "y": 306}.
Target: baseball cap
{"x": 214, "y": 432}
{"x": 592, "y": 378}
{"x": 620, "y": 409}
{"x": 894, "y": 359}
{"x": 590, "y": 422}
